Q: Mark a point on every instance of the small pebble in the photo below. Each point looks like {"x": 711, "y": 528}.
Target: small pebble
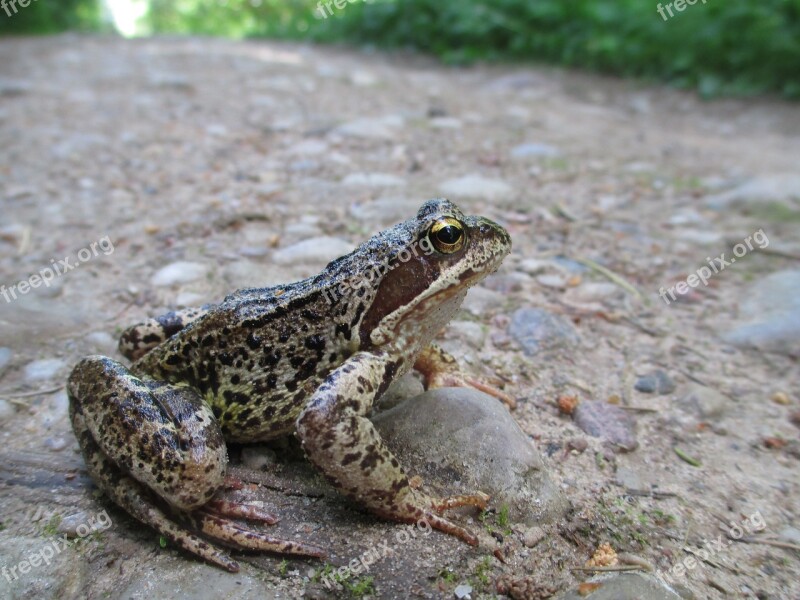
{"x": 533, "y": 536}
{"x": 476, "y": 186}
{"x": 603, "y": 420}
{"x": 781, "y": 398}
{"x": 536, "y": 330}
{"x": 657, "y": 382}
{"x": 42, "y": 370}
{"x": 56, "y": 444}
{"x": 102, "y": 340}
{"x": 258, "y": 458}
{"x": 379, "y": 180}
{"x": 6, "y": 410}
{"x": 178, "y": 272}
{"x": 463, "y": 592}
{"x": 790, "y": 535}
{"x": 578, "y": 445}
{"x": 69, "y": 525}
{"x": 534, "y": 150}
{"x": 706, "y": 402}
{"x": 315, "y": 250}
{"x": 5, "y": 359}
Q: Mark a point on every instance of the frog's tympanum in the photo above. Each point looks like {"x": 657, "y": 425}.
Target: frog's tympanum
{"x": 310, "y": 358}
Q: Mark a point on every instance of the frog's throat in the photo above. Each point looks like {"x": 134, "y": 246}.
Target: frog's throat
{"x": 388, "y": 328}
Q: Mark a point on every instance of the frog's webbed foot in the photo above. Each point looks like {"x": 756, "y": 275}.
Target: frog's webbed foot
{"x": 157, "y": 451}
{"x": 440, "y": 369}
{"x": 346, "y": 447}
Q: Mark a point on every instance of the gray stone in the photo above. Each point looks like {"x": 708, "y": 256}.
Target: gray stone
{"x": 5, "y": 359}
{"x": 592, "y": 293}
{"x": 770, "y": 315}
{"x": 67, "y": 576}
{"x": 373, "y": 180}
{"x": 628, "y": 586}
{"x": 778, "y": 188}
{"x": 308, "y": 148}
{"x": 629, "y": 479}
{"x": 177, "y": 273}
{"x": 480, "y": 301}
{"x": 399, "y": 391}
{"x": 6, "y": 410}
{"x": 532, "y": 536}
{"x": 535, "y": 150}
{"x": 607, "y": 421}
{"x": 470, "y": 331}
{"x": 475, "y": 186}
{"x": 706, "y": 402}
{"x": 319, "y": 250}
{"x": 102, "y": 340}
{"x": 790, "y": 535}
{"x": 446, "y": 123}
{"x": 43, "y": 370}
{"x": 657, "y": 382}
{"x": 462, "y": 441}
{"x": 258, "y": 457}
{"x": 537, "y": 330}
{"x": 534, "y": 266}
{"x": 180, "y": 578}
{"x": 385, "y": 211}
{"x": 463, "y": 591}
{"x": 382, "y": 128}
{"x": 552, "y": 280}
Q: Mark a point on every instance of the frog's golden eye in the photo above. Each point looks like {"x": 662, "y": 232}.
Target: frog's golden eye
{"x": 447, "y": 235}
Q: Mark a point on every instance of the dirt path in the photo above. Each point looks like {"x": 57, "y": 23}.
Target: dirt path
{"x": 216, "y": 156}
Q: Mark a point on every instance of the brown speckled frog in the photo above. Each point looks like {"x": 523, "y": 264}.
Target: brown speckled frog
{"x": 309, "y": 357}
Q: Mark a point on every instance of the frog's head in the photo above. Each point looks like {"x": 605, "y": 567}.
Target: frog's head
{"x": 430, "y": 262}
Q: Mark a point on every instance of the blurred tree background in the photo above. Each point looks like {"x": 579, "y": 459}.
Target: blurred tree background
{"x": 50, "y": 16}
{"x": 732, "y": 47}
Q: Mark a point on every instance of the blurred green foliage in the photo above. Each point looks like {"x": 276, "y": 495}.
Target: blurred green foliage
{"x": 51, "y": 16}
{"x": 733, "y": 47}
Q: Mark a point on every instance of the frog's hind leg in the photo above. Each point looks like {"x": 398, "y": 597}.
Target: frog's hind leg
{"x": 141, "y": 438}
{"x": 138, "y": 340}
{"x": 346, "y": 447}
{"x": 440, "y": 369}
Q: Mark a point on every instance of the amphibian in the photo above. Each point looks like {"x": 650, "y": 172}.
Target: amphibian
{"x": 308, "y": 358}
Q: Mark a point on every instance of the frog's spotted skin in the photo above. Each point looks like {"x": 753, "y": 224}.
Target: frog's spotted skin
{"x": 138, "y": 340}
{"x": 266, "y": 362}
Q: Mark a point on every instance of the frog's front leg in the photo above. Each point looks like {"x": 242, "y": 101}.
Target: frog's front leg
{"x": 157, "y": 451}
{"x": 346, "y": 447}
{"x": 138, "y": 340}
{"x": 440, "y": 369}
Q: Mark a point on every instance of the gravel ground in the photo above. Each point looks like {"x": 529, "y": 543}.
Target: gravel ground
{"x": 173, "y": 171}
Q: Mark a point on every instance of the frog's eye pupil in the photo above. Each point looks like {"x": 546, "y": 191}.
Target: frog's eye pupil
{"x": 448, "y": 235}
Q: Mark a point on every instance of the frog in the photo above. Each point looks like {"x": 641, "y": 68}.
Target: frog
{"x": 308, "y": 359}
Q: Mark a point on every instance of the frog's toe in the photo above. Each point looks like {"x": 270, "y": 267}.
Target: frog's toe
{"x": 478, "y": 499}
{"x": 440, "y": 369}
{"x": 459, "y": 379}
{"x": 449, "y": 527}
{"x": 234, "y": 535}
{"x": 252, "y": 510}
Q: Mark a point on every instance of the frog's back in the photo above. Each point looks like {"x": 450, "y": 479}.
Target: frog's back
{"x": 259, "y": 355}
